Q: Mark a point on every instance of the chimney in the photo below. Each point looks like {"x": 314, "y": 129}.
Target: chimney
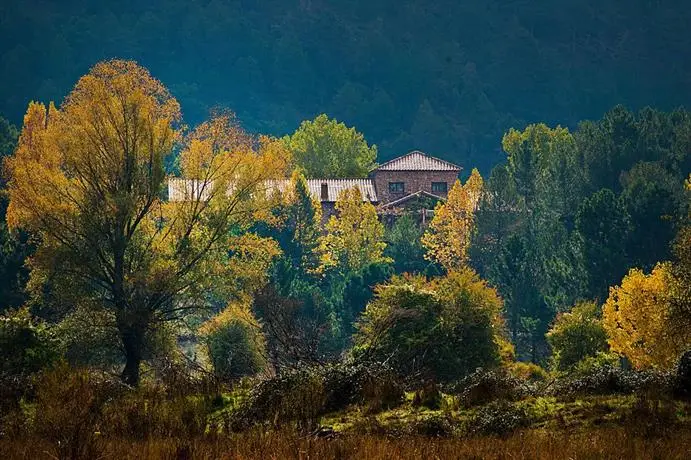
{"x": 325, "y": 192}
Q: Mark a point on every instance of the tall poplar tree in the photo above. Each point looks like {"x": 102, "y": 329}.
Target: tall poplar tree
{"x": 88, "y": 181}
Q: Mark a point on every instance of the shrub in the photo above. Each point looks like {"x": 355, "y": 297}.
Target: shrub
{"x": 607, "y": 379}
{"x": 428, "y": 396}
{"x": 439, "y": 330}
{"x": 235, "y": 344}
{"x": 529, "y": 372}
{"x": 576, "y": 335}
{"x": 26, "y": 345}
{"x": 483, "y": 386}
{"x": 499, "y": 418}
{"x": 305, "y": 394}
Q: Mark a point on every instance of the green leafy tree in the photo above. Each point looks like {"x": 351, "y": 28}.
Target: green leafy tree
{"x": 576, "y": 335}
{"x": 603, "y": 225}
{"x": 654, "y": 198}
{"x": 14, "y": 247}
{"x": 325, "y": 148}
{"x": 235, "y": 343}
{"x": 403, "y": 245}
{"x": 441, "y": 329}
{"x": 8, "y": 137}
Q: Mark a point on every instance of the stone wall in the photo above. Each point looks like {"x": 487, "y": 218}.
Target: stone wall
{"x": 414, "y": 181}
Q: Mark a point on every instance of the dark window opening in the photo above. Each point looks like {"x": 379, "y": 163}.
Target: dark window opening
{"x": 396, "y": 187}
{"x": 440, "y": 187}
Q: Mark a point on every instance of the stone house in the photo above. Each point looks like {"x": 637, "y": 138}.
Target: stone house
{"x": 412, "y": 182}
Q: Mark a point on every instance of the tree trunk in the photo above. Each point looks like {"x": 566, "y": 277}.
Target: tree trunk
{"x": 132, "y": 336}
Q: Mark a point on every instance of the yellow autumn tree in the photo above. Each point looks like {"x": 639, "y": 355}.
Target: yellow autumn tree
{"x": 636, "y": 317}
{"x": 355, "y": 237}
{"x": 449, "y": 234}
{"x": 89, "y": 181}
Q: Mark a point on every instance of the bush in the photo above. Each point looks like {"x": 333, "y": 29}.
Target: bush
{"x": 439, "y": 330}
{"x": 499, "y": 418}
{"x": 576, "y": 335}
{"x": 428, "y": 396}
{"x": 304, "y": 395}
{"x": 26, "y": 345}
{"x": 483, "y": 386}
{"x": 529, "y": 372}
{"x": 235, "y": 344}
{"x": 607, "y": 379}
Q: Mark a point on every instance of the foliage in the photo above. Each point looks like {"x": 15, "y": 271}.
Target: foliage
{"x": 603, "y": 225}
{"x": 403, "y": 246}
{"x": 327, "y": 149}
{"x": 449, "y": 234}
{"x": 484, "y": 386}
{"x": 305, "y": 394}
{"x": 355, "y": 237}
{"x": 637, "y": 320}
{"x": 529, "y": 372}
{"x": 27, "y": 345}
{"x": 576, "y": 335}
{"x": 235, "y": 343}
{"x": 296, "y": 327}
{"x": 655, "y": 201}
{"x": 14, "y": 247}
{"x": 570, "y": 213}
{"x": 499, "y": 418}
{"x": 106, "y": 236}
{"x": 8, "y": 137}
{"x": 607, "y": 379}
{"x": 419, "y": 326}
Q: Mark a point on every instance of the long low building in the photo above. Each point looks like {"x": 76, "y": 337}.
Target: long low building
{"x": 412, "y": 181}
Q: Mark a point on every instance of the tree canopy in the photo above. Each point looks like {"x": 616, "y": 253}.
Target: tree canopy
{"x": 325, "y": 148}
{"x": 89, "y": 180}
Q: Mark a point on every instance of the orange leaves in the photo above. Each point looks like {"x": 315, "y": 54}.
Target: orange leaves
{"x": 448, "y": 237}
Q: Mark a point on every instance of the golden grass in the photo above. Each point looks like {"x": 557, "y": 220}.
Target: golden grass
{"x": 603, "y": 443}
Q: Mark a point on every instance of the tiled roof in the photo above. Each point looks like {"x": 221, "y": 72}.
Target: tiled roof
{"x": 180, "y": 189}
{"x": 417, "y": 161}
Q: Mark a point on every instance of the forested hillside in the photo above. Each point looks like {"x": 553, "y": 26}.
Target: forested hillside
{"x": 448, "y": 77}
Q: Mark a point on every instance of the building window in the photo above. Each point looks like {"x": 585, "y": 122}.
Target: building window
{"x": 440, "y": 187}
{"x": 396, "y": 187}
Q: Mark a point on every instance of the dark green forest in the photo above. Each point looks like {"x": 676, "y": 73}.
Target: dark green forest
{"x": 446, "y": 77}
{"x": 174, "y": 282}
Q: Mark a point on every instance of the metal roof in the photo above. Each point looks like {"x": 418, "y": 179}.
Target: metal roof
{"x": 417, "y": 161}
{"x": 180, "y": 189}
{"x": 334, "y": 187}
